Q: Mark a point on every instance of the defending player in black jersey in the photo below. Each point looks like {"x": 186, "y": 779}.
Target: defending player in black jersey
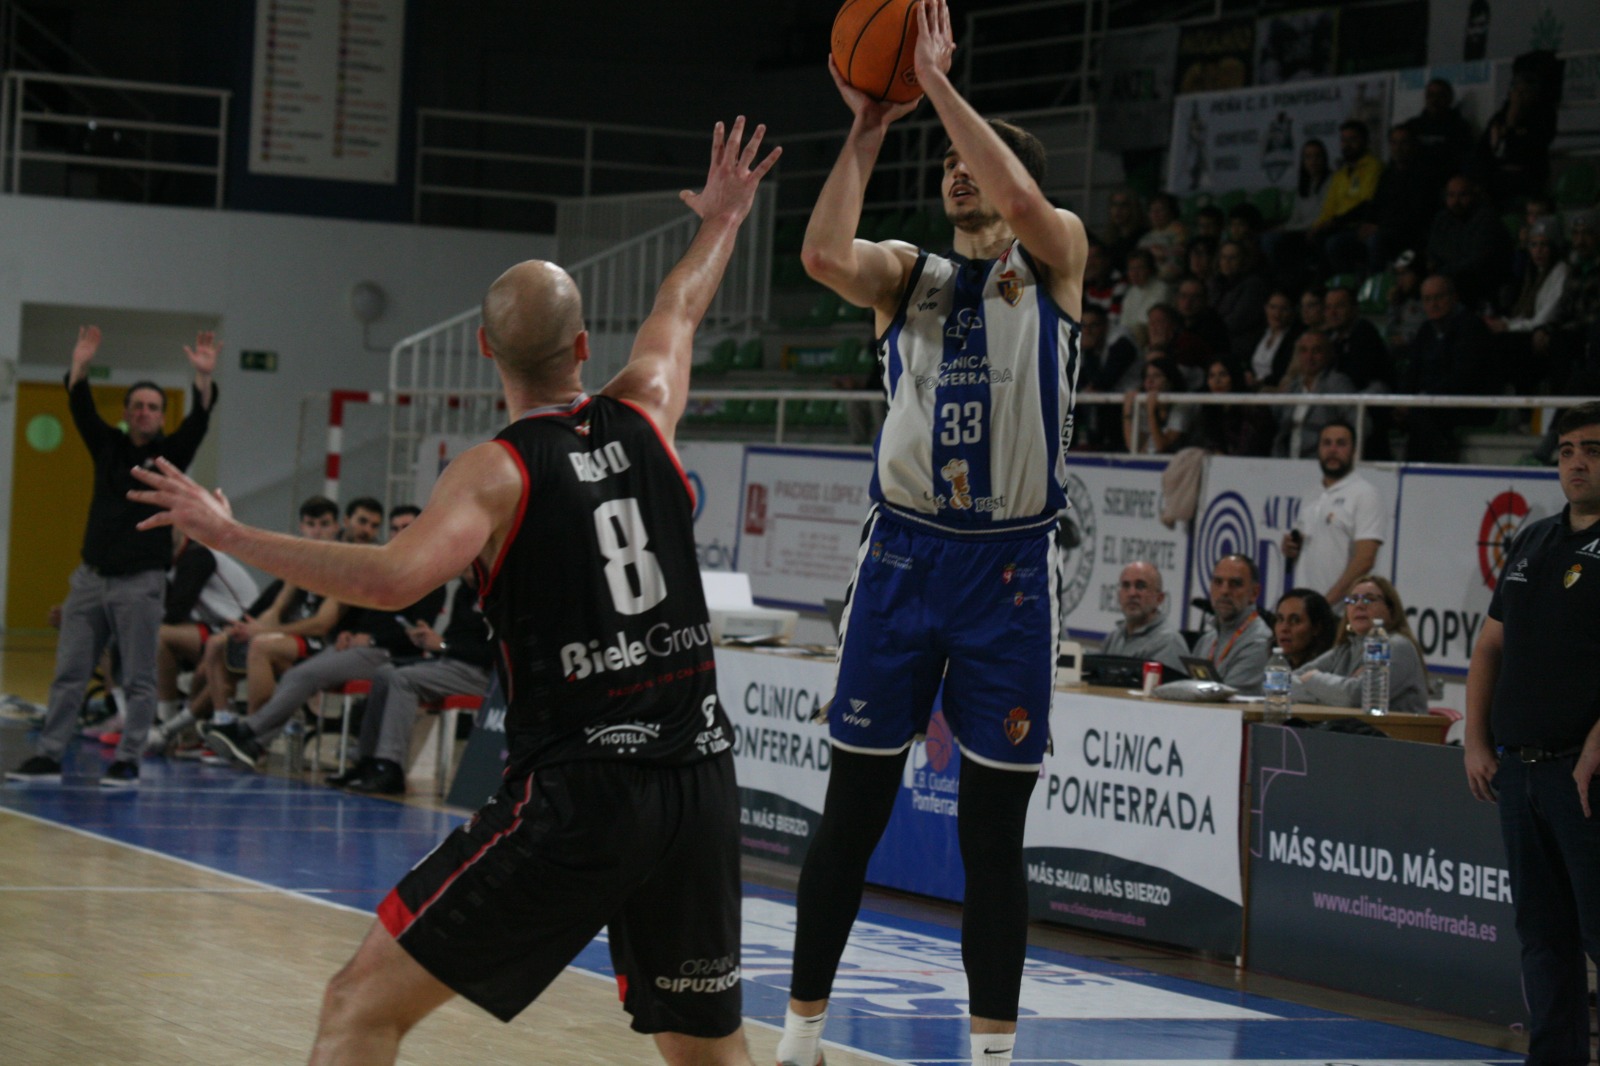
{"x": 619, "y": 806}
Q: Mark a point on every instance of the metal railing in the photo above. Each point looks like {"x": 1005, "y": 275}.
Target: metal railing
{"x": 55, "y": 125}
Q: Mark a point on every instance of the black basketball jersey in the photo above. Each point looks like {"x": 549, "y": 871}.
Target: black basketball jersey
{"x": 602, "y": 639}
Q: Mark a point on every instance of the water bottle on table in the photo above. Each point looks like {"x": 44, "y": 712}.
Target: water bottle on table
{"x": 1275, "y": 686}
{"x": 1375, "y": 670}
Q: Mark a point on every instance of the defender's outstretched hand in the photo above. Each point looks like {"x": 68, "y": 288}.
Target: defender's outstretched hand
{"x": 183, "y": 502}
{"x": 731, "y": 183}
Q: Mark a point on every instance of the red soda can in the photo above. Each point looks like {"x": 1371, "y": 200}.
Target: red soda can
{"x": 1152, "y": 676}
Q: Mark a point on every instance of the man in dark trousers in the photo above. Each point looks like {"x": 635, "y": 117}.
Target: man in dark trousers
{"x": 580, "y": 522}
{"x": 119, "y": 588}
{"x": 1533, "y": 742}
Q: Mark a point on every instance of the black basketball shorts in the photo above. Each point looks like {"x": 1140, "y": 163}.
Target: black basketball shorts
{"x": 501, "y": 907}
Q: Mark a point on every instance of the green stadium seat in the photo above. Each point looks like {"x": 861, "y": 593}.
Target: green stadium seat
{"x": 1578, "y": 186}
{"x": 1273, "y": 203}
{"x": 750, "y": 355}
{"x": 720, "y": 362}
{"x": 1373, "y": 296}
{"x": 1232, "y": 199}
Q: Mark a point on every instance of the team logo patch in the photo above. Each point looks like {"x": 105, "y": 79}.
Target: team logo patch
{"x": 1008, "y": 573}
{"x": 581, "y": 429}
{"x": 1010, "y": 287}
{"x": 877, "y": 550}
{"x": 1572, "y": 576}
{"x": 955, "y": 472}
{"x": 1018, "y": 599}
{"x": 1017, "y": 726}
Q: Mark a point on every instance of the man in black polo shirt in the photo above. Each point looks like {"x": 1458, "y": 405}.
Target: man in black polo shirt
{"x": 117, "y": 591}
{"x": 1533, "y": 732}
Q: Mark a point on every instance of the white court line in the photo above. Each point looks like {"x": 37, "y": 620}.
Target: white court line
{"x": 153, "y": 889}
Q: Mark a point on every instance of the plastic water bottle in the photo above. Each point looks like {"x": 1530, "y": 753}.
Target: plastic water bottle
{"x": 1275, "y": 686}
{"x": 294, "y": 740}
{"x": 1375, "y": 671}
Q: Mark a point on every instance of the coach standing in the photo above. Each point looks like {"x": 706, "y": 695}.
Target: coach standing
{"x": 1533, "y": 731}
{"x": 118, "y": 589}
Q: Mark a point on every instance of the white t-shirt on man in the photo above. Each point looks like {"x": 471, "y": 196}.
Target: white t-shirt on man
{"x": 1349, "y": 510}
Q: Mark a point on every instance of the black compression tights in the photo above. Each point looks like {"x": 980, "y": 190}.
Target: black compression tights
{"x": 994, "y": 923}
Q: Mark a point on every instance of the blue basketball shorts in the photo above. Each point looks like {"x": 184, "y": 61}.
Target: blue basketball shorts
{"x": 975, "y": 611}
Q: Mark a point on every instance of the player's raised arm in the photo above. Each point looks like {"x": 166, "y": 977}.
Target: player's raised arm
{"x": 864, "y": 273}
{"x": 657, "y": 375}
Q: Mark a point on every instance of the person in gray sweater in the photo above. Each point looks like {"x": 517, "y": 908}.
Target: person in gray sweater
{"x": 1334, "y": 678}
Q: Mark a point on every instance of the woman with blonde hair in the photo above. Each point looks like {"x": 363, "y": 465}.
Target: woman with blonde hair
{"x": 1334, "y": 678}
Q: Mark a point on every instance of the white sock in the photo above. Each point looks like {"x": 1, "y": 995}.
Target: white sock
{"x": 992, "y": 1049}
{"x": 167, "y": 709}
{"x": 801, "y": 1043}
{"x": 120, "y": 699}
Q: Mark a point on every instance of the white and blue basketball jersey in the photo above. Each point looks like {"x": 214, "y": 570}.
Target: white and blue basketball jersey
{"x": 980, "y": 367}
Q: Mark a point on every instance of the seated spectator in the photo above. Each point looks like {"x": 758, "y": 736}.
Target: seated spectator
{"x": 1285, "y": 247}
{"x": 1145, "y": 290}
{"x": 1151, "y": 426}
{"x": 1360, "y": 354}
{"x": 1450, "y": 357}
{"x": 1200, "y": 256}
{"x": 1245, "y": 225}
{"x": 1229, "y": 429}
{"x": 1209, "y": 222}
{"x": 1352, "y": 185}
{"x": 453, "y": 663}
{"x": 1103, "y": 284}
{"x": 1468, "y": 243}
{"x": 1515, "y": 146}
{"x": 1238, "y": 642}
{"x": 1166, "y": 237}
{"x": 1334, "y": 678}
{"x": 1398, "y": 214}
{"x": 1300, "y": 426}
{"x": 1144, "y": 631}
{"x": 1311, "y": 307}
{"x": 1568, "y": 342}
{"x": 1274, "y": 345}
{"x": 1201, "y": 332}
{"x": 1405, "y": 315}
{"x": 1238, "y": 292}
{"x": 206, "y": 592}
{"x": 1532, "y": 307}
{"x": 1108, "y": 361}
{"x": 1125, "y": 224}
{"x": 1534, "y": 209}
{"x": 1305, "y": 626}
{"x": 1444, "y": 139}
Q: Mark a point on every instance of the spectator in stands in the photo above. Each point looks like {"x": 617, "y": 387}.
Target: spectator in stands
{"x": 1334, "y": 678}
{"x": 1239, "y": 293}
{"x": 1397, "y": 217}
{"x": 1144, "y": 291}
{"x": 453, "y": 663}
{"x": 1515, "y": 146}
{"x": 1124, "y": 226}
{"x": 1338, "y": 533}
{"x": 1352, "y": 185}
{"x": 1200, "y": 256}
{"x": 1274, "y": 345}
{"x": 365, "y": 642}
{"x": 117, "y": 588}
{"x": 1304, "y": 625}
{"x": 1103, "y": 283}
{"x": 1239, "y": 641}
{"x": 1443, "y": 137}
{"x": 1108, "y": 363}
{"x": 1151, "y": 426}
{"x": 1468, "y": 243}
{"x": 1245, "y": 225}
{"x": 1568, "y": 342}
{"x": 1229, "y": 429}
{"x": 1405, "y": 316}
{"x": 1202, "y": 334}
{"x": 1311, "y": 307}
{"x": 1166, "y": 236}
{"x": 1285, "y": 247}
{"x": 1163, "y": 323}
{"x": 1450, "y": 357}
{"x": 1300, "y": 427}
{"x": 1144, "y": 631}
{"x": 1531, "y": 307}
{"x": 1360, "y": 354}
{"x": 1209, "y": 222}
{"x": 1534, "y": 209}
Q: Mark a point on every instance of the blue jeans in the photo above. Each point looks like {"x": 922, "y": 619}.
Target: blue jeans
{"x": 1554, "y": 856}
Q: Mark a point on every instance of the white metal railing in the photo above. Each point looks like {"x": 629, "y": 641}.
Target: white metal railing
{"x": 192, "y": 140}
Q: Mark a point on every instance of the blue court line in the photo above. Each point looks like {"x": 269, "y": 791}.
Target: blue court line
{"x": 348, "y": 850}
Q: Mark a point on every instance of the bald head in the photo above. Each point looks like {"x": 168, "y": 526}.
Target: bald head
{"x": 532, "y": 314}
{"x": 1139, "y": 594}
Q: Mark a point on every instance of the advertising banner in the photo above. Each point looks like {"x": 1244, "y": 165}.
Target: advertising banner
{"x": 1250, "y": 138}
{"x": 713, "y": 469}
{"x": 1372, "y": 869}
{"x": 1134, "y": 827}
{"x": 1451, "y": 531}
{"x": 1135, "y": 101}
{"x": 1215, "y": 55}
{"x": 1115, "y": 519}
{"x": 1297, "y": 45}
{"x": 1481, "y": 29}
{"x": 1247, "y": 507}
{"x": 800, "y": 523}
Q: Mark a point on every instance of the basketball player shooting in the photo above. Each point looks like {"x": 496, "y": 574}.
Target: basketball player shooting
{"x": 956, "y": 578}
{"x": 579, "y": 522}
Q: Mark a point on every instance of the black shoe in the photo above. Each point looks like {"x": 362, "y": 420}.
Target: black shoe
{"x": 124, "y": 773}
{"x": 235, "y": 741}
{"x": 382, "y": 778}
{"x": 41, "y": 769}
{"x": 360, "y": 767}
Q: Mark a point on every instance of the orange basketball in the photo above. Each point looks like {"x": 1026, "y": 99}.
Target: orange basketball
{"x": 873, "y": 41}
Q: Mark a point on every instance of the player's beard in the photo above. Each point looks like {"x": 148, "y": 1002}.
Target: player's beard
{"x": 972, "y": 217}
